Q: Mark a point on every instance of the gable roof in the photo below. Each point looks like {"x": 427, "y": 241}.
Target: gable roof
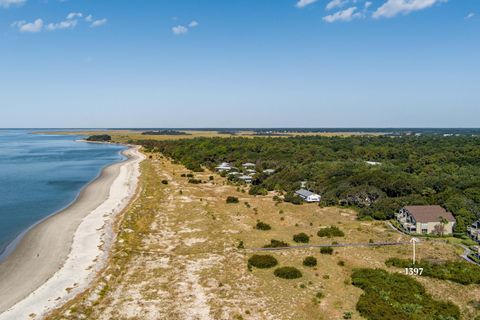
{"x": 426, "y": 214}
{"x": 305, "y": 193}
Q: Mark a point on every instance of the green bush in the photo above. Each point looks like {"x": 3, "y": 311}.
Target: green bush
{"x": 194, "y": 181}
{"x": 231, "y": 199}
{"x": 287, "y": 273}
{"x": 310, "y": 261}
{"x": 189, "y": 175}
{"x": 326, "y": 250}
{"x": 164, "y": 181}
{"x": 276, "y": 244}
{"x": 395, "y": 296}
{"x": 277, "y": 198}
{"x": 262, "y": 261}
{"x": 292, "y": 198}
{"x": 301, "y": 238}
{"x": 330, "y": 232}
{"x": 257, "y": 190}
{"x": 262, "y": 226}
{"x": 457, "y": 271}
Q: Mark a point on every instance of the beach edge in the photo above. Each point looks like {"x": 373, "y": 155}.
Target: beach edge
{"x": 44, "y": 271}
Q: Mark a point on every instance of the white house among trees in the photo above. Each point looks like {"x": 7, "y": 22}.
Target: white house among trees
{"x": 308, "y": 196}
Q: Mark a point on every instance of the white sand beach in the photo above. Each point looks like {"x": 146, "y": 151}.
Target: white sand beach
{"x": 58, "y": 258}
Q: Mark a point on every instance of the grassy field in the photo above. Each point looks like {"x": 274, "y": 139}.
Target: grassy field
{"x": 177, "y": 257}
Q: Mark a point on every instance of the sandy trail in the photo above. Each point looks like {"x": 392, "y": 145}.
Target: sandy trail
{"x": 59, "y": 257}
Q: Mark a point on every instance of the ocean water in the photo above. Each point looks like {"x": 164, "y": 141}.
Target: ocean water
{"x": 42, "y": 174}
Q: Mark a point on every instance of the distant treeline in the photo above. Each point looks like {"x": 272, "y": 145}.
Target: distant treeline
{"x": 165, "y": 133}
{"x": 390, "y": 131}
{"x": 100, "y": 138}
{"x": 402, "y": 170}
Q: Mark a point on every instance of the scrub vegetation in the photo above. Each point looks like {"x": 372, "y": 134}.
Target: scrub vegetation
{"x": 395, "y": 296}
{"x": 429, "y": 169}
{"x": 457, "y": 271}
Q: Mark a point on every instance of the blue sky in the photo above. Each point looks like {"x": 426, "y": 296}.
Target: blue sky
{"x": 239, "y": 63}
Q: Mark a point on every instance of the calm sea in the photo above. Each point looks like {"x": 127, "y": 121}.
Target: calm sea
{"x": 41, "y": 174}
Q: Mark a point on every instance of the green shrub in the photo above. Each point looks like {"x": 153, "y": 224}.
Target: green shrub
{"x": 257, "y": 190}
{"x": 395, "y": 296}
{"x": 164, "y": 181}
{"x": 276, "y": 244}
{"x": 301, "y": 238}
{"x": 326, "y": 250}
{"x": 262, "y": 261}
{"x": 347, "y": 315}
{"x": 194, "y": 181}
{"x": 293, "y": 198}
{"x": 231, "y": 199}
{"x": 262, "y": 226}
{"x": 287, "y": 273}
{"x": 241, "y": 245}
{"x": 310, "y": 261}
{"x": 189, "y": 175}
{"x": 330, "y": 232}
{"x": 457, "y": 271}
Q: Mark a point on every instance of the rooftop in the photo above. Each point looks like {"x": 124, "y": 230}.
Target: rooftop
{"x": 426, "y": 214}
{"x": 305, "y": 193}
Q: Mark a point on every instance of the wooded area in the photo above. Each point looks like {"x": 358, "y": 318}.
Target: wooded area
{"x": 377, "y": 175}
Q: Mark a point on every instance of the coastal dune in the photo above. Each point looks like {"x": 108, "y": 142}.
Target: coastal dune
{"x": 58, "y": 257}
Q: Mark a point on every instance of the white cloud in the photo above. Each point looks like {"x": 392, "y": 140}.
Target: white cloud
{"x": 98, "y": 23}
{"x": 470, "y": 16}
{"x": 178, "y": 30}
{"x": 344, "y": 15}
{"x": 336, "y": 4}
{"x": 67, "y": 24}
{"x": 193, "y": 24}
{"x": 304, "y": 3}
{"x": 74, "y": 15}
{"x": 391, "y": 8}
{"x": 23, "y": 26}
{"x": 368, "y": 4}
{"x": 9, "y": 3}
{"x": 89, "y": 18}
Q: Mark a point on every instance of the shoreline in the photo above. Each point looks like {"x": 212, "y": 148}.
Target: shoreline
{"x": 12, "y": 245}
{"x": 57, "y": 258}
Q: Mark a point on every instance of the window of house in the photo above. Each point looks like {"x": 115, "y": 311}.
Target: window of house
{"x": 424, "y": 227}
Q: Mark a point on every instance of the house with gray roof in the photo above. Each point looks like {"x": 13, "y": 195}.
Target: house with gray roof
{"x": 308, "y": 196}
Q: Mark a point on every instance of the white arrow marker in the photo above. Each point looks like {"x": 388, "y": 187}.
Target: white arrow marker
{"x": 413, "y": 241}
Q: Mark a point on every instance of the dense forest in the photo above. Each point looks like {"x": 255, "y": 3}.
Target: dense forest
{"x": 377, "y": 175}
